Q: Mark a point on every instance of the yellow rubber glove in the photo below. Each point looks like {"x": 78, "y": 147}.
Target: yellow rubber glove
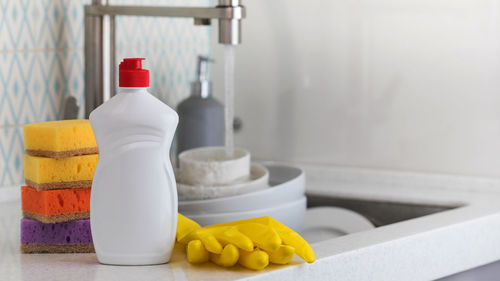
{"x": 287, "y": 235}
{"x": 216, "y": 237}
{"x": 213, "y": 239}
{"x": 186, "y": 233}
{"x": 263, "y": 236}
{"x": 220, "y": 242}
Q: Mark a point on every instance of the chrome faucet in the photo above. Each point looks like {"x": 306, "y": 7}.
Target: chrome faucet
{"x": 100, "y": 38}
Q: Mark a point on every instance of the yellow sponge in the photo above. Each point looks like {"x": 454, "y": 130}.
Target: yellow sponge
{"x": 44, "y": 173}
{"x": 59, "y": 139}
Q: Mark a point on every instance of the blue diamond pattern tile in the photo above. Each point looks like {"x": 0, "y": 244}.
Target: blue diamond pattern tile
{"x": 14, "y": 18}
{"x": 11, "y": 152}
{"x": 34, "y": 85}
{"x": 41, "y": 48}
{"x": 16, "y": 88}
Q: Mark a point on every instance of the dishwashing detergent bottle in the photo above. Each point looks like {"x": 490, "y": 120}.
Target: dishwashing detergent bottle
{"x": 133, "y": 203}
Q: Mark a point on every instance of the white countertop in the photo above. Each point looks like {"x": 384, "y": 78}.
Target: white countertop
{"x": 424, "y": 248}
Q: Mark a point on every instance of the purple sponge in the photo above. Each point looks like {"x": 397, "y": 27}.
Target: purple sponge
{"x": 70, "y": 236}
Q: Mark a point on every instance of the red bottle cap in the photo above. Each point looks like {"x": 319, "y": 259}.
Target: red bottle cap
{"x": 131, "y": 73}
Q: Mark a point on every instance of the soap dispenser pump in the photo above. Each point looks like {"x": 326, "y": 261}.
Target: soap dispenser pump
{"x": 201, "y": 117}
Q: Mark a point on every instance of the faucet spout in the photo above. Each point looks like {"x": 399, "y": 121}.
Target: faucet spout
{"x": 229, "y": 14}
{"x": 230, "y": 29}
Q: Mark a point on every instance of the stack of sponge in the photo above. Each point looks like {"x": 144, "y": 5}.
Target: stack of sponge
{"x": 59, "y": 165}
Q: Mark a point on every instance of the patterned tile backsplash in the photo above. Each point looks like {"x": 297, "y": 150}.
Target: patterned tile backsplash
{"x": 41, "y": 53}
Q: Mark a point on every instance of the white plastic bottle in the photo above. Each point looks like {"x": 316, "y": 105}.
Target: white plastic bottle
{"x": 133, "y": 203}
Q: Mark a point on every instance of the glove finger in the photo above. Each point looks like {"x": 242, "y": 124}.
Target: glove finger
{"x": 255, "y": 260}
{"x": 283, "y": 255}
{"x": 196, "y": 252}
{"x": 211, "y": 244}
{"x": 263, "y": 236}
{"x": 227, "y": 258}
{"x": 292, "y": 238}
{"x": 208, "y": 240}
{"x": 231, "y": 235}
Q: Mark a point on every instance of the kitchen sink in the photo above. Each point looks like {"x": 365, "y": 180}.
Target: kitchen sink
{"x": 380, "y": 213}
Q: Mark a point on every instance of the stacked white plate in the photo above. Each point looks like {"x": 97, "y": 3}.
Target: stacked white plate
{"x": 282, "y": 198}
{"x": 257, "y": 180}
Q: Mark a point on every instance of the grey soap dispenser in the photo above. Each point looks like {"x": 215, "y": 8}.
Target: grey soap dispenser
{"x": 201, "y": 117}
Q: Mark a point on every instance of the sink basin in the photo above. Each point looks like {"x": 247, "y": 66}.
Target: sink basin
{"x": 380, "y": 213}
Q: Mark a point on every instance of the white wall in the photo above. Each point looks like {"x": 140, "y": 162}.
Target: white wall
{"x": 399, "y": 84}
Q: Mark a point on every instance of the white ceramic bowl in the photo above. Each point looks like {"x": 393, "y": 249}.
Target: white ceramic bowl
{"x": 210, "y": 166}
{"x": 323, "y": 223}
{"x": 291, "y": 214}
{"x": 287, "y": 184}
{"x": 259, "y": 179}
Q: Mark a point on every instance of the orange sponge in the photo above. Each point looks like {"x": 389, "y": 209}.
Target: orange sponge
{"x": 58, "y": 205}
